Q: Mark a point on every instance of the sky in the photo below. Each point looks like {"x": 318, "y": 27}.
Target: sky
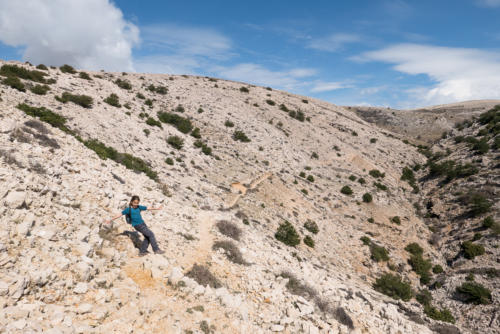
{"x": 395, "y": 53}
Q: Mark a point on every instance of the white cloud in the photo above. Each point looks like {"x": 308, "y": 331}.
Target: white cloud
{"x": 321, "y": 86}
{"x": 189, "y": 41}
{"x": 489, "y": 3}
{"x": 89, "y": 34}
{"x": 259, "y": 75}
{"x": 460, "y": 74}
{"x": 333, "y": 42}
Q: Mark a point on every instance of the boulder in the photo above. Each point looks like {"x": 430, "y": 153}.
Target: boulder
{"x": 175, "y": 275}
{"x": 81, "y": 288}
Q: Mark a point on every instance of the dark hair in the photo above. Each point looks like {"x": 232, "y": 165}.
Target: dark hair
{"x": 135, "y": 197}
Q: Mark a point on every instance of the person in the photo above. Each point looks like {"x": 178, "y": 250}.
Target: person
{"x": 133, "y": 213}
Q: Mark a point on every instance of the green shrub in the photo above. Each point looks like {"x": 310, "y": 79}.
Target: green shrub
{"x": 380, "y": 186}
{"x": 366, "y": 241}
{"x": 15, "y": 83}
{"x": 302, "y": 174}
{"x": 130, "y": 162}
{"x": 396, "y": 220}
{"x": 441, "y": 315}
{"x": 379, "y": 253}
{"x": 475, "y": 293}
{"x": 360, "y": 180}
{"x": 304, "y": 191}
{"x": 371, "y": 220}
{"x": 153, "y": 122}
{"x": 149, "y": 103}
{"x": 284, "y": 108}
{"x": 45, "y": 115}
{"x": 124, "y": 84}
{"x": 239, "y": 135}
{"x": 346, "y": 190}
{"x": 140, "y": 96}
{"x": 420, "y": 265}
{"x": 373, "y": 140}
{"x": 271, "y": 102}
{"x": 354, "y": 133}
{"x": 40, "y": 89}
{"x": 311, "y": 226}
{"x": 352, "y": 178}
{"x": 451, "y": 170}
{"x": 481, "y": 147}
{"x": 169, "y": 161}
{"x": 228, "y": 124}
{"x": 310, "y": 178}
{"x": 376, "y": 173}
{"x": 42, "y": 67}
{"x": 488, "y": 222}
{"x": 22, "y": 73}
{"x": 113, "y": 100}
{"x": 393, "y": 286}
{"x": 175, "y": 141}
{"x": 81, "y": 100}
{"x": 67, "y": 69}
{"x": 146, "y": 132}
{"x": 179, "y": 109}
{"x": 437, "y": 269}
{"x": 196, "y": 133}
{"x": 206, "y": 149}
{"x": 414, "y": 249}
{"x": 469, "y": 277}
{"x": 367, "y": 198}
{"x": 287, "y": 234}
{"x": 182, "y": 124}
{"x": 244, "y": 90}
{"x": 309, "y": 241}
{"x": 84, "y": 75}
{"x": 471, "y": 250}
{"x": 315, "y": 155}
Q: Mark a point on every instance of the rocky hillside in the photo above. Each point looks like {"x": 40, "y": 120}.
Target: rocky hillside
{"x": 281, "y": 213}
{"x": 425, "y": 125}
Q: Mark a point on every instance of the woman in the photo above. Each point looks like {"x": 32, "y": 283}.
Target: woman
{"x": 133, "y": 217}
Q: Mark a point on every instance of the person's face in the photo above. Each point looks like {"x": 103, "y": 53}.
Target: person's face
{"x": 135, "y": 203}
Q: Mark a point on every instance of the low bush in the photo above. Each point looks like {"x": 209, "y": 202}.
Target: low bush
{"x": 393, "y": 286}
{"x": 365, "y": 240}
{"x": 175, "y": 141}
{"x": 346, "y": 190}
{"x": 196, "y": 133}
{"x": 376, "y": 173}
{"x": 239, "y": 135}
{"x": 203, "y": 276}
{"x": 420, "y": 265}
{"x": 244, "y": 90}
{"x": 310, "y": 178}
{"x": 396, "y": 220}
{"x": 488, "y": 222}
{"x": 179, "y": 109}
{"x": 309, "y": 241}
{"x": 482, "y": 146}
{"x": 45, "y": 115}
{"x": 42, "y": 67}
{"x": 113, "y": 100}
{"x": 169, "y": 161}
{"x": 15, "y": 71}
{"x": 15, "y": 83}
{"x": 149, "y": 103}
{"x": 424, "y": 297}
{"x": 379, "y": 253}
{"x": 474, "y": 293}
{"x": 67, "y": 69}
{"x": 124, "y": 84}
{"x": 311, "y": 226}
{"x": 361, "y": 180}
{"x": 380, "y": 186}
{"x": 231, "y": 251}
{"x": 296, "y": 287}
{"x": 228, "y": 124}
{"x": 471, "y": 250}
{"x": 81, "y": 100}
{"x": 414, "y": 249}
{"x": 478, "y": 204}
{"x": 84, "y": 75}
{"x": 373, "y": 140}
{"x": 287, "y": 234}
{"x": 140, "y": 96}
{"x": 229, "y": 229}
{"x": 182, "y": 124}
{"x": 437, "y": 269}
{"x": 40, "y": 89}
{"x": 441, "y": 315}
{"x": 451, "y": 170}
{"x": 367, "y": 198}
{"x": 153, "y": 122}
{"x": 271, "y": 102}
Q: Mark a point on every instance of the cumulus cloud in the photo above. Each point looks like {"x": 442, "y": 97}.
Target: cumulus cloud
{"x": 333, "y": 42}
{"x": 459, "y": 73}
{"x": 321, "y": 86}
{"x": 89, "y": 34}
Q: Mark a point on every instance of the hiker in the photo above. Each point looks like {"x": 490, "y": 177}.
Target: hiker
{"x": 133, "y": 217}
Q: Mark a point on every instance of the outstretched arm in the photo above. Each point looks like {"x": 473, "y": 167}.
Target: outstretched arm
{"x": 159, "y": 208}
{"x": 109, "y": 221}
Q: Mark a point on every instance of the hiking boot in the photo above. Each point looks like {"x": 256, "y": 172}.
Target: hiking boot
{"x": 159, "y": 251}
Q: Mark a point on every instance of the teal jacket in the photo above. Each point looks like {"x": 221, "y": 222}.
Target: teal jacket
{"x": 135, "y": 215}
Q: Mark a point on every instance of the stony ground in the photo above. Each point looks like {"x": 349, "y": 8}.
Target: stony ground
{"x": 62, "y": 270}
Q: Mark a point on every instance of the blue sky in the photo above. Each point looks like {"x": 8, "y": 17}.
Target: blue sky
{"x": 381, "y": 52}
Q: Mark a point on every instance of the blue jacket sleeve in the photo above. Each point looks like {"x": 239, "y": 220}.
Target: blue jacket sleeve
{"x": 143, "y": 208}
{"x": 124, "y": 212}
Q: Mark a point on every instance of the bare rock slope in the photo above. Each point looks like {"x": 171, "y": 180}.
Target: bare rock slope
{"x": 266, "y": 198}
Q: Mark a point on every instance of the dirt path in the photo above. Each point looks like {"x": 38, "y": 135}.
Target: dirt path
{"x": 203, "y": 247}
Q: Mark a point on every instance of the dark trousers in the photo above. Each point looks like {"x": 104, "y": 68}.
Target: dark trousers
{"x": 149, "y": 238}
